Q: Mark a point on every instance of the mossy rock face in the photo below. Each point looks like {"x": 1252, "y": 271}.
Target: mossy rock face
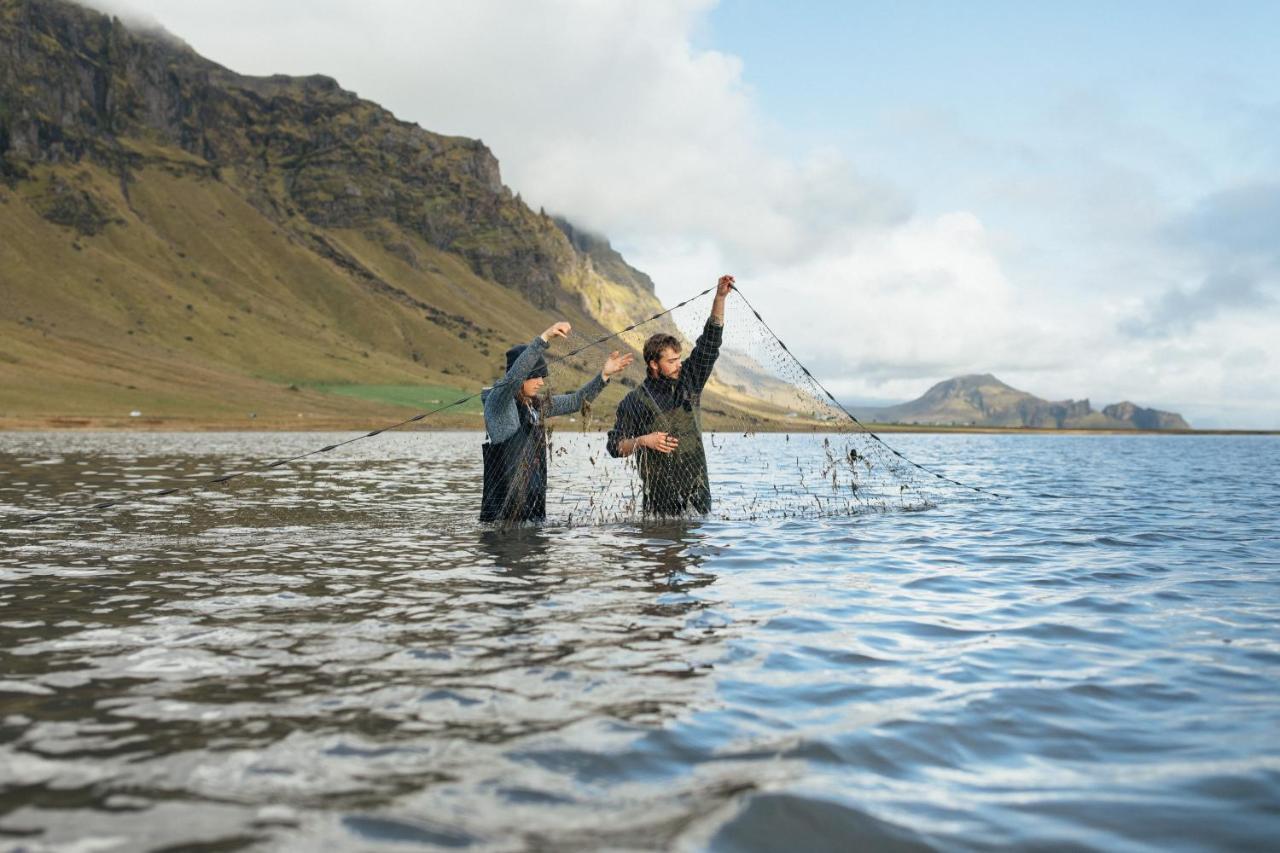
{"x": 604, "y": 259}
{"x": 64, "y": 204}
{"x": 77, "y": 84}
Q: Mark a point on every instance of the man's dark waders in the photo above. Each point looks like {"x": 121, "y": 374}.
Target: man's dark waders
{"x": 515, "y": 474}
{"x": 676, "y": 483}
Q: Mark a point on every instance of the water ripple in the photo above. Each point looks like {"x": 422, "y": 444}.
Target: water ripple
{"x": 336, "y": 657}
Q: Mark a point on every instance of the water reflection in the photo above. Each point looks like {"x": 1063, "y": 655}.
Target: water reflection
{"x": 520, "y": 551}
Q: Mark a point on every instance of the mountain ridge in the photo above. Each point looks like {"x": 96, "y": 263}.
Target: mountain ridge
{"x": 982, "y": 400}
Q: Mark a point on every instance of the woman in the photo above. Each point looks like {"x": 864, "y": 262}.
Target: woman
{"x": 515, "y": 456}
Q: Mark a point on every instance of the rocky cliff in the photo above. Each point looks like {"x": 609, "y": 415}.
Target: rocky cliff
{"x": 79, "y": 85}
{"x": 160, "y": 209}
{"x": 1143, "y": 418}
{"x": 983, "y": 400}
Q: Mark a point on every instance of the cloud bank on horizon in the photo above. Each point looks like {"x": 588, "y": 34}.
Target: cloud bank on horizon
{"x": 1073, "y": 236}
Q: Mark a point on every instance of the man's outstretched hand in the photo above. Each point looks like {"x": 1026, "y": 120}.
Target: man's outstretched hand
{"x": 724, "y": 285}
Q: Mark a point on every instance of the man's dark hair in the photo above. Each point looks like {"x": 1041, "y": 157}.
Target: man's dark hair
{"x": 656, "y": 344}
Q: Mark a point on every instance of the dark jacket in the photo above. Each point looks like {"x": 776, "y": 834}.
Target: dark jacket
{"x": 515, "y": 456}
{"x": 636, "y": 417}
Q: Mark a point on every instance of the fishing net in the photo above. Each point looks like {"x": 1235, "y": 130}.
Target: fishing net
{"x": 760, "y": 438}
{"x": 757, "y": 437}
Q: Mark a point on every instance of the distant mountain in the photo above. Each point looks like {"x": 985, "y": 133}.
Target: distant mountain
{"x": 983, "y": 400}
{"x": 1141, "y": 418}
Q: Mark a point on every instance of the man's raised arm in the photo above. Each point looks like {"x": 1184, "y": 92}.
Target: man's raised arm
{"x": 707, "y": 348}
{"x": 723, "y": 286}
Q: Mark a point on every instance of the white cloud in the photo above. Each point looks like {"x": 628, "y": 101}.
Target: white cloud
{"x": 1025, "y": 257}
{"x": 604, "y": 111}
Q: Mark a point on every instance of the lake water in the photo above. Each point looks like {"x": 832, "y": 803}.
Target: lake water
{"x": 332, "y": 657}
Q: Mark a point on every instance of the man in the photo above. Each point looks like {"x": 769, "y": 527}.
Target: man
{"x": 661, "y": 420}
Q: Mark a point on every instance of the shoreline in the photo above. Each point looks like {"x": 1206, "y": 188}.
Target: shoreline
{"x": 322, "y": 423}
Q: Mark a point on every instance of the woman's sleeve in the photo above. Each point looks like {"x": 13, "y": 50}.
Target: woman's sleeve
{"x": 499, "y": 406}
{"x": 564, "y": 404}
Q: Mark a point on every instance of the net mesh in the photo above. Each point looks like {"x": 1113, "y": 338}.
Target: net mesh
{"x": 757, "y": 438}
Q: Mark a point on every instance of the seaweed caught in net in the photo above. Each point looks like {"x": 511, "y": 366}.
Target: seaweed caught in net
{"x": 773, "y": 444}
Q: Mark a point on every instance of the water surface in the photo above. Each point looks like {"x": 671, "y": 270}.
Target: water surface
{"x": 333, "y": 656}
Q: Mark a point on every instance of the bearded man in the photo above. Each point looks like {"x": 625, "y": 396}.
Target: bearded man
{"x": 661, "y": 422}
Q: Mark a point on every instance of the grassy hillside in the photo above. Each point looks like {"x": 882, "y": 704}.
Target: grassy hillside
{"x": 205, "y": 248}
{"x": 189, "y": 304}
{"x": 208, "y": 248}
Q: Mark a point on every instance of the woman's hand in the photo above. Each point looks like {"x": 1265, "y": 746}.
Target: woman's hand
{"x": 559, "y": 330}
{"x": 615, "y": 364}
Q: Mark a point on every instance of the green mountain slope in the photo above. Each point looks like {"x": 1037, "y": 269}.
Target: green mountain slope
{"x": 199, "y": 245}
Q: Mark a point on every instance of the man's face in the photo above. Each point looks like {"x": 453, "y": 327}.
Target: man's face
{"x": 667, "y": 364}
{"x": 530, "y": 387}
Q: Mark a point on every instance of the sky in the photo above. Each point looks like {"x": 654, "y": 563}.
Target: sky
{"x": 1082, "y": 198}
